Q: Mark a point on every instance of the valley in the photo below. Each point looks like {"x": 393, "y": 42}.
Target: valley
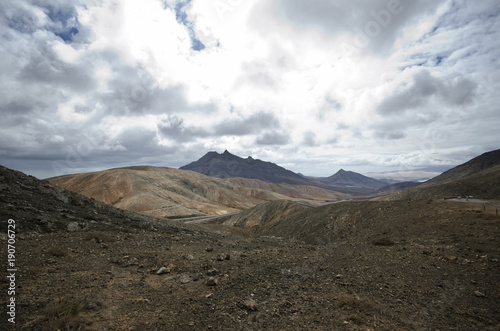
{"x": 419, "y": 259}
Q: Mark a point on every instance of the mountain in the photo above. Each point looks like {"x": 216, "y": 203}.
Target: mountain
{"x": 479, "y": 177}
{"x": 352, "y": 179}
{"x": 476, "y": 165}
{"x": 173, "y": 192}
{"x": 227, "y": 165}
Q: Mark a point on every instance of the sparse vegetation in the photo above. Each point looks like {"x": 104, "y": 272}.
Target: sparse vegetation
{"x": 65, "y": 315}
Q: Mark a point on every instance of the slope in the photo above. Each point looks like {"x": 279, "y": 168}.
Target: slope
{"x": 352, "y": 179}
{"x": 174, "y": 192}
{"x": 469, "y": 168}
{"x": 227, "y": 165}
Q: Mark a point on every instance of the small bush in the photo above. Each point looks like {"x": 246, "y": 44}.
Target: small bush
{"x": 64, "y": 316}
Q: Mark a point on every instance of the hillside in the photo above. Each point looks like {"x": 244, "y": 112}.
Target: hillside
{"x": 173, "y": 192}
{"x": 476, "y": 165}
{"x": 353, "y": 180}
{"x": 227, "y": 165}
{"x": 479, "y": 177}
{"x": 399, "y": 265}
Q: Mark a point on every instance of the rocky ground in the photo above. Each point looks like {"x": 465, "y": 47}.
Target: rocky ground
{"x": 86, "y": 266}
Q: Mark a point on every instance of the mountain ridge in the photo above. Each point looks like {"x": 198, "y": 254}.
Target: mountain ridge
{"x": 227, "y": 165}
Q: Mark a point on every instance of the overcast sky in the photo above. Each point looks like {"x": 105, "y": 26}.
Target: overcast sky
{"x": 313, "y": 85}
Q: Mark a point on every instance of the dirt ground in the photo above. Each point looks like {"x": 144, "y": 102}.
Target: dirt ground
{"x": 122, "y": 271}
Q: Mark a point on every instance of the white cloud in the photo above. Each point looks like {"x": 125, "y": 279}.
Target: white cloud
{"x": 274, "y": 81}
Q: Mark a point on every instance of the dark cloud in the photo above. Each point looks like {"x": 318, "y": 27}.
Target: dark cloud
{"x": 174, "y": 128}
{"x": 425, "y": 87}
{"x": 377, "y": 23}
{"x": 253, "y": 124}
{"x": 273, "y": 138}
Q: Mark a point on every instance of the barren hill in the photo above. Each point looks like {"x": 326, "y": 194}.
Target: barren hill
{"x": 173, "y": 192}
{"x": 476, "y": 165}
{"x": 479, "y": 177}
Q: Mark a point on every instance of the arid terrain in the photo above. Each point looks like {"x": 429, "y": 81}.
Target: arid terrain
{"x": 395, "y": 264}
{"x": 173, "y": 192}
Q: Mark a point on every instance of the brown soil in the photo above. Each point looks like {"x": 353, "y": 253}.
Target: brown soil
{"x": 172, "y": 192}
{"x": 427, "y": 265}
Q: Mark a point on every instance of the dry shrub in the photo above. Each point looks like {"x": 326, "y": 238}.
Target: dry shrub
{"x": 65, "y": 315}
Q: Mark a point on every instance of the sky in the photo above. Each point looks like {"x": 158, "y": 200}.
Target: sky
{"x": 312, "y": 85}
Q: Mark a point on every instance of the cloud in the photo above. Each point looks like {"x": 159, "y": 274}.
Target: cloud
{"x": 309, "y": 139}
{"x": 252, "y": 124}
{"x": 273, "y": 138}
{"x": 375, "y": 23}
{"x": 425, "y": 88}
{"x": 95, "y": 81}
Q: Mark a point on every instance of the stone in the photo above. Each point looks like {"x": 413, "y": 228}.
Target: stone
{"x": 479, "y": 294}
{"x": 250, "y": 304}
{"x": 212, "y": 281}
{"x": 74, "y": 227}
{"x": 209, "y": 249}
{"x": 212, "y": 272}
{"x": 185, "y": 279}
{"x": 162, "y": 271}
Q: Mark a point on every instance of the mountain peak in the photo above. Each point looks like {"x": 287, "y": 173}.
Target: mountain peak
{"x": 227, "y": 165}
{"x": 352, "y": 179}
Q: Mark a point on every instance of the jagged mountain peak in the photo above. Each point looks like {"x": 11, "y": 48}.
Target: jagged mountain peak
{"x": 227, "y": 165}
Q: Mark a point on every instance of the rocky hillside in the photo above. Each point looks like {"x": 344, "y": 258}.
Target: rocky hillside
{"x": 475, "y": 166}
{"x": 479, "y": 177}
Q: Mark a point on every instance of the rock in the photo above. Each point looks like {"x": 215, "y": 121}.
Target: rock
{"x": 209, "y": 249}
{"x": 250, "y": 304}
{"x": 479, "y": 294}
{"x": 162, "y": 270}
{"x": 73, "y": 227}
{"x": 227, "y": 257}
{"x": 212, "y": 281}
{"x": 185, "y": 279}
{"x": 212, "y": 272}
{"x": 220, "y": 258}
